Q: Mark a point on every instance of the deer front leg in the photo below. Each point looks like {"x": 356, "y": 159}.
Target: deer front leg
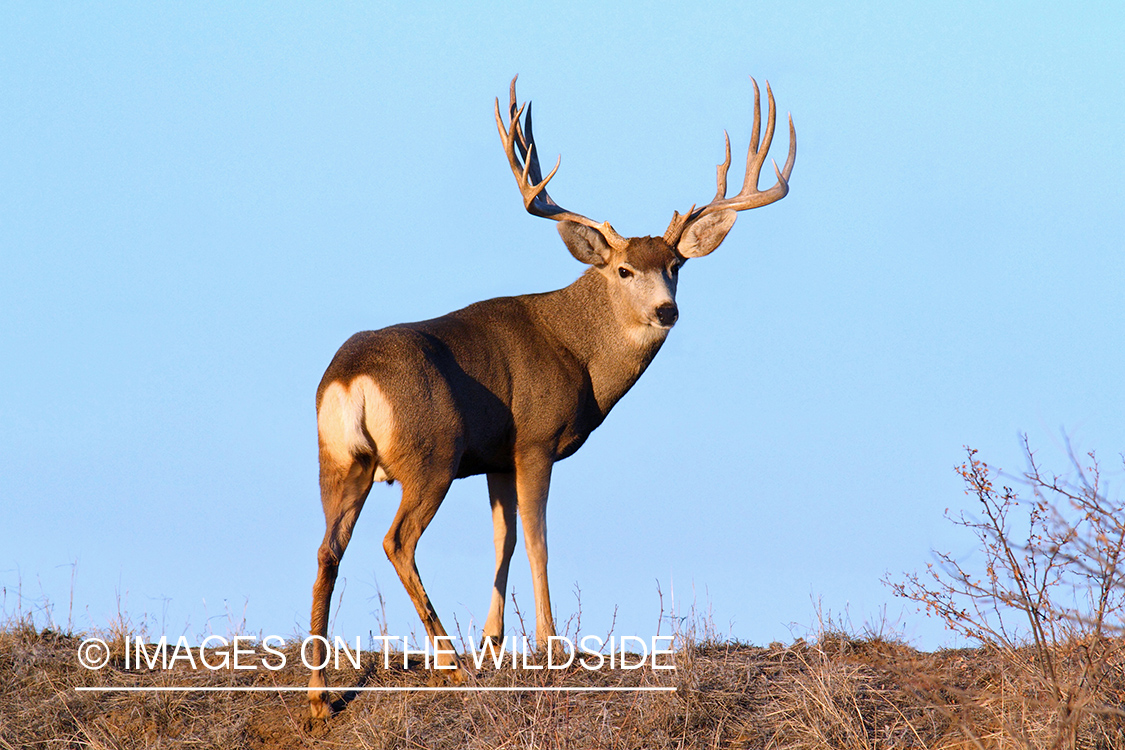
{"x": 502, "y": 495}
{"x": 533, "y": 478}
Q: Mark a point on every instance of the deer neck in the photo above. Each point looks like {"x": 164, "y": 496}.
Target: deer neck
{"x": 614, "y": 350}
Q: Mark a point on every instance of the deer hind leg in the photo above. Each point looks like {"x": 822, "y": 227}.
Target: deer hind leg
{"x": 421, "y": 497}
{"x": 502, "y": 494}
{"x": 343, "y": 490}
{"x": 533, "y": 478}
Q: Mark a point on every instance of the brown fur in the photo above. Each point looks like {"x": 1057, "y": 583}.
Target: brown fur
{"x": 504, "y": 387}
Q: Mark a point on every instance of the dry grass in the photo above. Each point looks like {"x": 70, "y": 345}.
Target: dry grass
{"x": 837, "y": 692}
{"x": 1048, "y": 672}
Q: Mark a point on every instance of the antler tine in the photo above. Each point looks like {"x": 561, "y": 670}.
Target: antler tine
{"x": 514, "y": 114}
{"x": 531, "y": 154}
{"x": 756, "y": 156}
{"x": 782, "y": 173}
{"x": 749, "y": 196}
{"x": 791, "y": 159}
{"x": 529, "y": 176}
{"x": 757, "y": 114}
{"x": 721, "y": 172}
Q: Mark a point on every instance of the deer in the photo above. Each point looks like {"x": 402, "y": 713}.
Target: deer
{"x": 505, "y": 387}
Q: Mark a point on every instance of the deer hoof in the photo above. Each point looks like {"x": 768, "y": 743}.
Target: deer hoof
{"x": 318, "y": 707}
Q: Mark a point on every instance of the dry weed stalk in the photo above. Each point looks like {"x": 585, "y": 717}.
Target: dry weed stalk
{"x": 1049, "y": 603}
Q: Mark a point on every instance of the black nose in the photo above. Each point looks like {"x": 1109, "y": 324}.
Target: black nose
{"x": 667, "y": 314}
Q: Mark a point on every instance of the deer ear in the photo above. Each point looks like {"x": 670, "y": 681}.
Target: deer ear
{"x": 705, "y": 235}
{"x": 585, "y": 243}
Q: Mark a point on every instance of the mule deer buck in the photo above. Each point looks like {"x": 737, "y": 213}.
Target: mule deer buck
{"x": 506, "y": 387}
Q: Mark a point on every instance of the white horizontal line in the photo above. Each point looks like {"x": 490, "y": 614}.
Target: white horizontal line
{"x": 305, "y": 688}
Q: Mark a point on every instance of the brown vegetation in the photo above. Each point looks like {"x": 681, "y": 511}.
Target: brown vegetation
{"x": 1047, "y": 669}
{"x": 836, "y": 692}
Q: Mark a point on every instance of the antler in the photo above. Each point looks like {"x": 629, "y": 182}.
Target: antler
{"x": 528, "y": 175}
{"x": 749, "y": 197}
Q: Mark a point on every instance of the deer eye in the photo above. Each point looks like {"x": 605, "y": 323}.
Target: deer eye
{"x": 624, "y": 272}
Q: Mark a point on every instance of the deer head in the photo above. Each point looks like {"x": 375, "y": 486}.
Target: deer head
{"x": 642, "y": 272}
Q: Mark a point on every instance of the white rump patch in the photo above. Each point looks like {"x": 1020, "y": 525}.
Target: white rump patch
{"x": 345, "y": 410}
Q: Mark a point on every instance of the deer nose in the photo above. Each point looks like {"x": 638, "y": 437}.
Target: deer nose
{"x": 667, "y": 314}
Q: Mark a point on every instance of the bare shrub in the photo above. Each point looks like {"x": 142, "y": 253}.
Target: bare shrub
{"x": 1047, "y": 599}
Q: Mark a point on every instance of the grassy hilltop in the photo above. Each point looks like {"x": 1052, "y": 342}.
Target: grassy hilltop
{"x": 837, "y": 692}
{"x": 1044, "y": 610}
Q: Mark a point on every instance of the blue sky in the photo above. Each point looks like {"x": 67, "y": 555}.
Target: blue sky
{"x": 199, "y": 204}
